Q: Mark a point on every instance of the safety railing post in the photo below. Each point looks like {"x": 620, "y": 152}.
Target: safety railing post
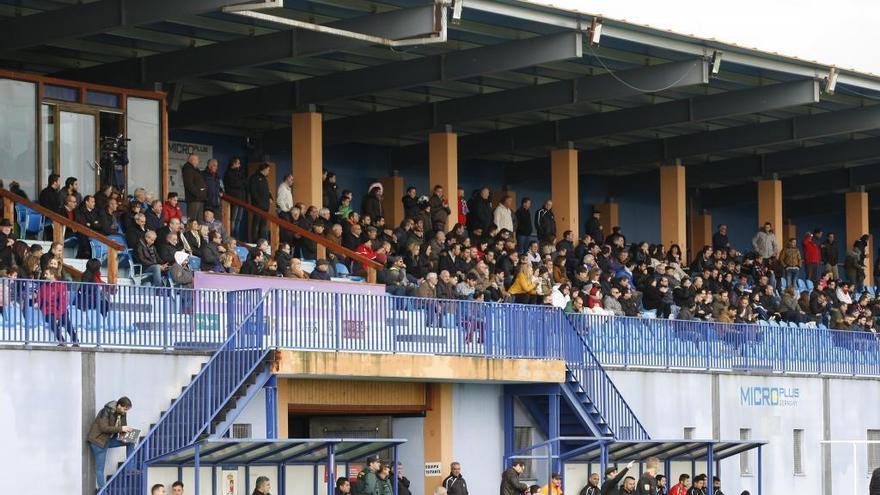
{"x": 337, "y": 306}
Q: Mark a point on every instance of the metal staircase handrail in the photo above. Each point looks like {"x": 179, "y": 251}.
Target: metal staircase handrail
{"x": 609, "y": 401}
{"x": 131, "y": 475}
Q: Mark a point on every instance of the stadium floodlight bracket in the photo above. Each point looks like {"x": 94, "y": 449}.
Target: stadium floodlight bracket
{"x": 456, "y": 11}
{"x": 831, "y": 80}
{"x": 438, "y": 35}
{"x": 716, "y": 62}
{"x": 595, "y": 31}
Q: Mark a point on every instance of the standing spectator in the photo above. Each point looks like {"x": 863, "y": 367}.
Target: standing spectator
{"x": 831, "y": 255}
{"x": 503, "y": 217}
{"x": 108, "y": 424}
{"x": 439, "y": 208}
{"x": 594, "y": 227}
{"x": 410, "y": 202}
{"x": 684, "y": 481}
{"x": 462, "y": 207}
{"x": 764, "y": 242}
{"x": 874, "y": 487}
{"x": 455, "y": 483}
{"x": 812, "y": 255}
{"x": 510, "y": 483}
{"x": 523, "y": 224}
{"x": 720, "y": 241}
{"x": 545, "y": 222}
{"x": 372, "y": 202}
{"x": 260, "y": 198}
{"x": 791, "y": 260}
{"x": 854, "y": 266}
{"x": 50, "y": 199}
{"x": 213, "y": 185}
{"x": 613, "y": 478}
{"x": 52, "y": 300}
{"x": 234, "y": 185}
{"x": 402, "y": 481}
{"x": 195, "y": 190}
{"x": 479, "y": 210}
{"x": 284, "y": 202}
{"x": 329, "y": 196}
{"x": 87, "y": 217}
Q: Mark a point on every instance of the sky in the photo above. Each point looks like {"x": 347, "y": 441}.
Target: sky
{"x": 842, "y": 33}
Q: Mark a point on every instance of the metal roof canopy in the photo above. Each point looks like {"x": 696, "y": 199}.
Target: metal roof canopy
{"x": 310, "y": 451}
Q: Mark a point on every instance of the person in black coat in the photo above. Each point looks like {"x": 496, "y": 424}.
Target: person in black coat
{"x": 194, "y": 187}
{"x": 254, "y": 263}
{"x": 87, "y": 216}
{"x": 210, "y": 253}
{"x": 510, "y": 483}
{"x": 213, "y": 186}
{"x": 479, "y": 210}
{"x": 611, "y": 485}
{"x": 545, "y": 222}
{"x": 50, "y": 199}
{"x": 523, "y": 223}
{"x": 234, "y": 185}
{"x": 410, "y": 203}
{"x": 329, "y": 196}
{"x": 874, "y": 486}
{"x": 260, "y": 197}
{"x": 594, "y": 227}
{"x": 372, "y": 203}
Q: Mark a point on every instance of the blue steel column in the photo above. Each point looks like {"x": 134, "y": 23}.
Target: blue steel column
{"x": 247, "y": 479}
{"x": 508, "y": 427}
{"x": 213, "y": 479}
{"x": 603, "y": 459}
{"x": 271, "y": 391}
{"x": 710, "y": 460}
{"x": 196, "y": 468}
{"x": 554, "y": 433}
{"x": 393, "y": 474}
{"x": 760, "y": 474}
{"x": 331, "y": 469}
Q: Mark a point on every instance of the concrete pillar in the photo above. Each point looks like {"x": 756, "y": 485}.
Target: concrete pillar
{"x": 564, "y": 190}
{"x": 770, "y": 207}
{"x": 673, "y": 207}
{"x": 307, "y": 158}
{"x": 701, "y": 232}
{"x": 443, "y": 168}
{"x": 391, "y": 202}
{"x": 789, "y": 231}
{"x": 857, "y": 225}
{"x": 609, "y": 215}
{"x": 438, "y": 431}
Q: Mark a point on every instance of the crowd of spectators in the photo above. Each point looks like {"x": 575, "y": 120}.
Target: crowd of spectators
{"x": 495, "y": 251}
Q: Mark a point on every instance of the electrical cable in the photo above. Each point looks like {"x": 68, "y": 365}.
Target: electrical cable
{"x": 641, "y": 90}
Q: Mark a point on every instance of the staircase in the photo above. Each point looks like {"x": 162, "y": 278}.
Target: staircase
{"x": 204, "y": 406}
{"x": 589, "y": 404}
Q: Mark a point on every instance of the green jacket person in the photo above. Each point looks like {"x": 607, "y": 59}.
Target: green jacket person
{"x": 367, "y": 482}
{"x": 383, "y": 484}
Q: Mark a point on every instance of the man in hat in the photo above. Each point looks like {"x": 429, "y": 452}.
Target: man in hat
{"x": 367, "y": 481}
{"x": 321, "y": 271}
{"x": 555, "y": 486}
{"x": 611, "y": 486}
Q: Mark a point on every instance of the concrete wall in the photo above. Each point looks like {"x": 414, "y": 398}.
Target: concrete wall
{"x": 49, "y": 398}
{"x": 477, "y": 431}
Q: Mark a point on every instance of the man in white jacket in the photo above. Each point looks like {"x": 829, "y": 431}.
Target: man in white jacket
{"x": 504, "y": 214}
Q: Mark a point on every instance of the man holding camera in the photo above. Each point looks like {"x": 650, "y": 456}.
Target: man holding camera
{"x": 103, "y": 435}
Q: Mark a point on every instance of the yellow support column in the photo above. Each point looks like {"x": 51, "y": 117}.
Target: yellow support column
{"x": 770, "y": 207}
{"x": 391, "y": 201}
{"x": 443, "y": 169}
{"x": 857, "y": 225}
{"x": 307, "y": 158}
{"x": 564, "y": 189}
{"x": 673, "y": 207}
{"x": 789, "y": 231}
{"x": 438, "y": 432}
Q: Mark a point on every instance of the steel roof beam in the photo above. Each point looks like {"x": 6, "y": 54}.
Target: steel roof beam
{"x": 695, "y": 109}
{"x": 735, "y": 170}
{"x": 97, "y": 17}
{"x": 733, "y": 138}
{"x": 396, "y": 75}
{"x": 255, "y": 50}
{"x": 526, "y": 99}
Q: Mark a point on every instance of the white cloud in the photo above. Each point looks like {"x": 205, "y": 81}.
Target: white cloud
{"x": 842, "y": 33}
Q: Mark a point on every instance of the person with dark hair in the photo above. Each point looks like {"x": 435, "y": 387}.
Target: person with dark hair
{"x": 87, "y": 217}
{"x": 874, "y": 486}
{"x": 262, "y": 486}
{"x": 628, "y": 487}
{"x": 372, "y": 203}
{"x": 213, "y": 186}
{"x": 479, "y": 210}
{"x": 699, "y": 486}
{"x": 716, "y": 486}
{"x": 367, "y": 480}
{"x": 343, "y": 486}
{"x": 52, "y": 300}
{"x": 523, "y": 217}
{"x": 661, "y": 484}
{"x": 510, "y": 483}
{"x": 592, "y": 487}
{"x": 234, "y": 186}
{"x": 613, "y": 478}
{"x": 108, "y": 424}
{"x": 812, "y": 254}
{"x": 171, "y": 208}
{"x": 177, "y": 488}
{"x": 410, "y": 202}
{"x": 594, "y": 227}
{"x": 71, "y": 188}
{"x": 260, "y": 197}
{"x": 50, "y": 199}
{"x": 157, "y": 489}
{"x": 545, "y": 222}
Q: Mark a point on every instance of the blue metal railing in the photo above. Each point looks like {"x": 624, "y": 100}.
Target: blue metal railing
{"x": 673, "y": 344}
{"x": 191, "y": 414}
{"x": 595, "y": 382}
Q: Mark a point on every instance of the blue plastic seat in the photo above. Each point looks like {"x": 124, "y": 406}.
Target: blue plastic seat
{"x": 242, "y": 252}
{"x": 801, "y": 286}
{"x": 809, "y": 285}
{"x": 99, "y": 251}
{"x": 195, "y": 263}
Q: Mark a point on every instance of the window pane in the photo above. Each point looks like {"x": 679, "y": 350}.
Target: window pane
{"x": 798, "y": 437}
{"x": 78, "y": 152}
{"x": 873, "y": 450}
{"x": 18, "y": 134}
{"x": 745, "y": 465}
{"x": 102, "y": 99}
{"x": 60, "y": 93}
{"x": 143, "y": 127}
{"x": 47, "y": 155}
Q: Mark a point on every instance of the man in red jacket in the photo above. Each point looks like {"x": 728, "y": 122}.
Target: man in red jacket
{"x": 812, "y": 254}
{"x": 681, "y": 488}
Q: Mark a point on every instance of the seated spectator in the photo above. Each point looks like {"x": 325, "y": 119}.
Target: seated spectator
{"x": 321, "y": 271}
{"x": 154, "y": 215}
{"x": 214, "y": 224}
{"x": 152, "y": 265}
{"x": 561, "y": 296}
{"x": 210, "y": 252}
{"x": 181, "y": 273}
{"x": 254, "y": 263}
{"x": 171, "y": 209}
{"x": 612, "y": 304}
{"x": 523, "y": 288}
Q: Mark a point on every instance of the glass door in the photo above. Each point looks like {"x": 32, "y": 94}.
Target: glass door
{"x": 78, "y": 149}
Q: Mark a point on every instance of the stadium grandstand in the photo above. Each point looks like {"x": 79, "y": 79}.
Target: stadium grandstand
{"x": 404, "y": 247}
